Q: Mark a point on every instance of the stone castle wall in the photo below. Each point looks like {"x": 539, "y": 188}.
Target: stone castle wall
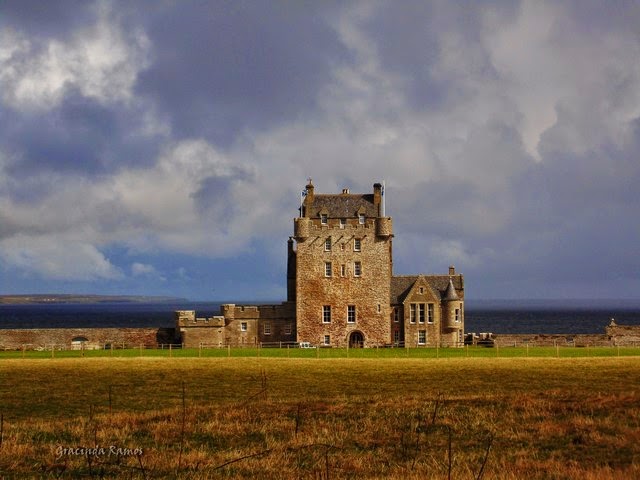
{"x": 368, "y": 292}
{"x": 412, "y": 329}
{"x": 44, "y": 338}
{"x": 239, "y": 325}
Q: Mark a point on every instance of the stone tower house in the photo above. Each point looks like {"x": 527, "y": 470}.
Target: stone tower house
{"x": 341, "y": 290}
{"x": 343, "y": 269}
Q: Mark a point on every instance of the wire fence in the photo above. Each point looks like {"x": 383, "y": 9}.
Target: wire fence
{"x": 296, "y": 350}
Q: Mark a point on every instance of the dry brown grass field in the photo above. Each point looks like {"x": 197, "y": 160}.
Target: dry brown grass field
{"x": 502, "y": 418}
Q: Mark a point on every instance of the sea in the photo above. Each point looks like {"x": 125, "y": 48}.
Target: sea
{"x": 495, "y": 316}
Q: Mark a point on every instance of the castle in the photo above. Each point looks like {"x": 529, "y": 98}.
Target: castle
{"x": 341, "y": 290}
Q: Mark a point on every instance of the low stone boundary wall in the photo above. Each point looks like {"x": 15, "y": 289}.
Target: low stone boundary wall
{"x": 552, "y": 340}
{"x": 84, "y": 338}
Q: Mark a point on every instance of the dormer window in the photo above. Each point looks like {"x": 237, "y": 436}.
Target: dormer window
{"x": 343, "y": 222}
{"x": 361, "y": 218}
{"x": 323, "y": 219}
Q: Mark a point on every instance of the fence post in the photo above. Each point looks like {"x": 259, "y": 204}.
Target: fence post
{"x": 228, "y": 350}
{"x": 170, "y": 345}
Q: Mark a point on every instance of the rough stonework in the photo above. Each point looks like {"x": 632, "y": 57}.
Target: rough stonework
{"x": 340, "y": 287}
{"x": 84, "y": 338}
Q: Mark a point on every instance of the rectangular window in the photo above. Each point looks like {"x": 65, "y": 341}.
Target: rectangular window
{"x": 327, "y": 245}
{"x": 343, "y": 222}
{"x": 357, "y": 245}
{"x": 343, "y": 270}
{"x": 326, "y": 314}
{"x": 327, "y": 269}
{"x": 287, "y": 329}
{"x": 412, "y": 313}
{"x": 396, "y": 315}
{"x": 379, "y": 308}
{"x": 267, "y": 328}
{"x": 422, "y": 337}
{"x": 351, "y": 314}
{"x": 243, "y": 326}
{"x": 327, "y": 339}
{"x": 430, "y": 313}
{"x": 421, "y": 290}
{"x": 361, "y": 218}
{"x": 421, "y": 312}
{"x": 357, "y": 269}
{"x": 323, "y": 219}
{"x": 457, "y": 314}
{"x": 396, "y": 336}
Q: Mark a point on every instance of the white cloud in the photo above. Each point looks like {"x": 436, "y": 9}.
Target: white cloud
{"x": 102, "y": 61}
{"x": 138, "y": 269}
{"x": 57, "y": 257}
{"x": 583, "y": 84}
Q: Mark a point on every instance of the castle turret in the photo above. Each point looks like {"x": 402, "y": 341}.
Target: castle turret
{"x": 451, "y": 307}
{"x": 301, "y": 228}
{"x": 384, "y": 227}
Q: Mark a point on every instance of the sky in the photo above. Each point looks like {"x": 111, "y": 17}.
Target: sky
{"x": 160, "y": 147}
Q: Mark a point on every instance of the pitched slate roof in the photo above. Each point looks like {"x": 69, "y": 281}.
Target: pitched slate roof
{"x": 401, "y": 285}
{"x": 343, "y": 205}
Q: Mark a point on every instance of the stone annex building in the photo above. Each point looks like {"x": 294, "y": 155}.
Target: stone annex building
{"x": 341, "y": 290}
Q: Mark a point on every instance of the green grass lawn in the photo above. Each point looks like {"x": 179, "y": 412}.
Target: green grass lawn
{"x": 370, "y": 416}
{"x": 465, "y": 352}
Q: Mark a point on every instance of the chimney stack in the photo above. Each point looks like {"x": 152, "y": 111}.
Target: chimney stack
{"x": 377, "y": 197}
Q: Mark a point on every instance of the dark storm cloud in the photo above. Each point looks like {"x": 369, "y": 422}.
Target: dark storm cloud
{"x": 81, "y": 135}
{"x": 48, "y": 18}
{"x": 137, "y": 132}
{"x": 223, "y": 67}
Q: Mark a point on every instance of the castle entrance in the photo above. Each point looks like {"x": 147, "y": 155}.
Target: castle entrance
{"x": 356, "y": 340}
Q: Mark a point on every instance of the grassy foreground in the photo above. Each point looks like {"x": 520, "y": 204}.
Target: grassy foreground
{"x": 324, "y": 353}
{"x": 283, "y": 418}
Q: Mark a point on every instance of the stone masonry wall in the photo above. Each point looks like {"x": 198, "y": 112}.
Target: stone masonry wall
{"x": 239, "y": 325}
{"x": 370, "y": 292}
{"x": 428, "y": 296}
{"x": 95, "y": 337}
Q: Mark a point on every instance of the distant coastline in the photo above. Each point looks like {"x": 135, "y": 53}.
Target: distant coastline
{"x": 29, "y": 299}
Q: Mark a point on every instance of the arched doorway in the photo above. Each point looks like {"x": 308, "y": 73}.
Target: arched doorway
{"x": 356, "y": 340}
{"x": 78, "y": 343}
